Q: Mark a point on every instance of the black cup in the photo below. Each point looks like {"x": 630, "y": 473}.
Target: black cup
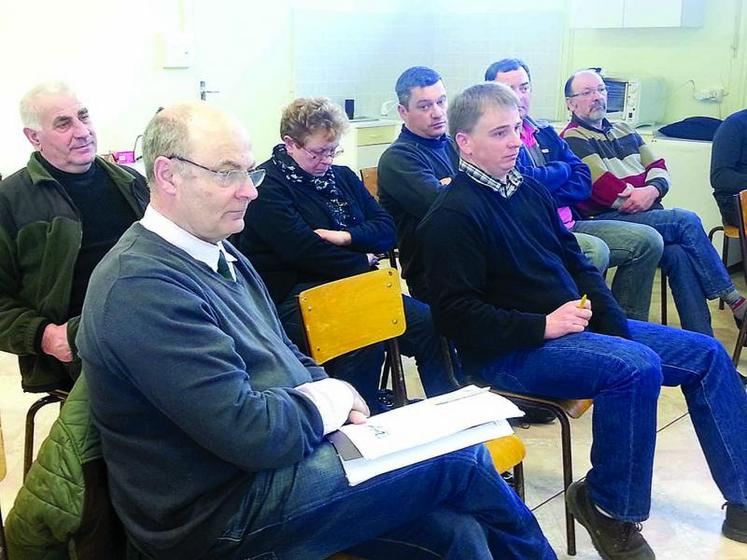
{"x": 350, "y": 108}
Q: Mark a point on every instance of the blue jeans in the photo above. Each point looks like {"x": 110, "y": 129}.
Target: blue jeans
{"x": 451, "y": 507}
{"x": 362, "y": 368}
{"x": 693, "y": 266}
{"x": 624, "y": 378}
{"x": 593, "y": 249}
{"x": 635, "y": 250}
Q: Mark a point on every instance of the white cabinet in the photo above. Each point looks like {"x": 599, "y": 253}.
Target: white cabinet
{"x": 689, "y": 165}
{"x": 636, "y": 13}
{"x": 596, "y": 15}
{"x": 366, "y": 141}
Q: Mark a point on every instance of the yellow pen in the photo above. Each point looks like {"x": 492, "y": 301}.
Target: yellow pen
{"x": 582, "y": 303}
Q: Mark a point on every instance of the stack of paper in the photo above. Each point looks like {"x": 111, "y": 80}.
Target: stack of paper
{"x": 422, "y": 430}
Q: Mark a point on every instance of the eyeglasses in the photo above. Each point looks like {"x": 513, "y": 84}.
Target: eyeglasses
{"x": 321, "y": 154}
{"x": 229, "y": 178}
{"x": 601, "y": 90}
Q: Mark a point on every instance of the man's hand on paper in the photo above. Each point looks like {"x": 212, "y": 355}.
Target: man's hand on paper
{"x": 359, "y": 413}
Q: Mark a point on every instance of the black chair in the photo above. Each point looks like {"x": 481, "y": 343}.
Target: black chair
{"x": 54, "y": 396}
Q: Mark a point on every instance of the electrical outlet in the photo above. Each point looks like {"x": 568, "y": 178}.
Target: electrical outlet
{"x": 713, "y": 95}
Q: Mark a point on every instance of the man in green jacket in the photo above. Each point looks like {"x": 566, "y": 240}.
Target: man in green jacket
{"x": 59, "y": 216}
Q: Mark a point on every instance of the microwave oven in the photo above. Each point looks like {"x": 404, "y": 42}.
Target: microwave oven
{"x": 637, "y": 101}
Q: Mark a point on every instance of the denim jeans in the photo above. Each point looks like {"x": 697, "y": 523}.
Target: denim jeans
{"x": 693, "y": 266}
{"x": 635, "y": 250}
{"x": 451, "y": 507}
{"x": 624, "y": 378}
{"x": 362, "y": 368}
{"x": 593, "y": 249}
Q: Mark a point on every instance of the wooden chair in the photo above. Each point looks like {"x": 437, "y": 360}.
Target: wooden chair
{"x": 28, "y": 447}
{"x": 354, "y": 312}
{"x": 730, "y": 232}
{"x": 563, "y": 410}
{"x": 3, "y": 470}
{"x": 742, "y": 232}
{"x": 370, "y": 178}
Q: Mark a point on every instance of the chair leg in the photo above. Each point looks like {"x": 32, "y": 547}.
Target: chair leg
{"x": 663, "y": 298}
{"x": 28, "y": 449}
{"x": 519, "y": 480}
{"x": 398, "y": 375}
{"x": 567, "y": 450}
{"x": 724, "y": 259}
{"x": 567, "y": 454}
{"x": 741, "y": 338}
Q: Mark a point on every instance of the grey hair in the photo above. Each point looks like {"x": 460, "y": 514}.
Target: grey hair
{"x": 167, "y": 134}
{"x": 29, "y": 106}
{"x": 470, "y": 105}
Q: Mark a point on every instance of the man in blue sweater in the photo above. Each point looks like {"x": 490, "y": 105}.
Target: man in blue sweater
{"x": 212, "y": 422}
{"x": 635, "y": 249}
{"x": 420, "y": 162}
{"x": 506, "y": 279}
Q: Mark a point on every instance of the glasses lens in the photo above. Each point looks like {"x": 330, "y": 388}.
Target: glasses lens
{"x": 256, "y": 177}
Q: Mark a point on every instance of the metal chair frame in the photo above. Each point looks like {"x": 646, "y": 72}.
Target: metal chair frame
{"x": 563, "y": 410}
{"x": 742, "y": 216}
{"x": 54, "y": 396}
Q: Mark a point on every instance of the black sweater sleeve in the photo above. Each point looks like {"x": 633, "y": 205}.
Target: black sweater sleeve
{"x": 274, "y": 218}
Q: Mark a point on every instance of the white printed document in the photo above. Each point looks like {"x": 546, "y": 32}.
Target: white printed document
{"x": 422, "y": 430}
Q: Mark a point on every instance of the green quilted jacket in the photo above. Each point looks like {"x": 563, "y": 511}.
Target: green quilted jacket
{"x": 63, "y": 510}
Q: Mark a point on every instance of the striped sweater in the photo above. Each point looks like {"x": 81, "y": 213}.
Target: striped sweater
{"x": 619, "y": 160}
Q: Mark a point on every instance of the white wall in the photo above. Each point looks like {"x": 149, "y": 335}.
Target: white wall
{"x": 112, "y": 54}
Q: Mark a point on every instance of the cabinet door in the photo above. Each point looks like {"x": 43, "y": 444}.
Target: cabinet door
{"x": 596, "y": 15}
{"x": 689, "y": 165}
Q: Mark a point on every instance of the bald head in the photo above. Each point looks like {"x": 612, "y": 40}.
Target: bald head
{"x": 178, "y": 129}
{"x": 190, "y": 151}
{"x": 586, "y": 97}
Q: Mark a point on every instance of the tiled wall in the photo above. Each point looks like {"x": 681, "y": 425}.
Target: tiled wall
{"x": 360, "y": 55}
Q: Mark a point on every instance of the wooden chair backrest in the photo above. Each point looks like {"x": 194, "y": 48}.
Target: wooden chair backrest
{"x": 370, "y": 178}
{"x": 351, "y": 313}
{"x": 742, "y": 215}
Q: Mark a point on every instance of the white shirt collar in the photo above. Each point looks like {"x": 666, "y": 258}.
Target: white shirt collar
{"x": 198, "y": 249}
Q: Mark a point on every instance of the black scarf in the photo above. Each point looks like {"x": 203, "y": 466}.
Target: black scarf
{"x": 337, "y": 206}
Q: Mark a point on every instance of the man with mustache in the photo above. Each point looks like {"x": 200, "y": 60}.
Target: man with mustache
{"x": 59, "y": 216}
{"x": 628, "y": 184}
{"x": 529, "y": 314}
{"x": 634, "y": 249}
